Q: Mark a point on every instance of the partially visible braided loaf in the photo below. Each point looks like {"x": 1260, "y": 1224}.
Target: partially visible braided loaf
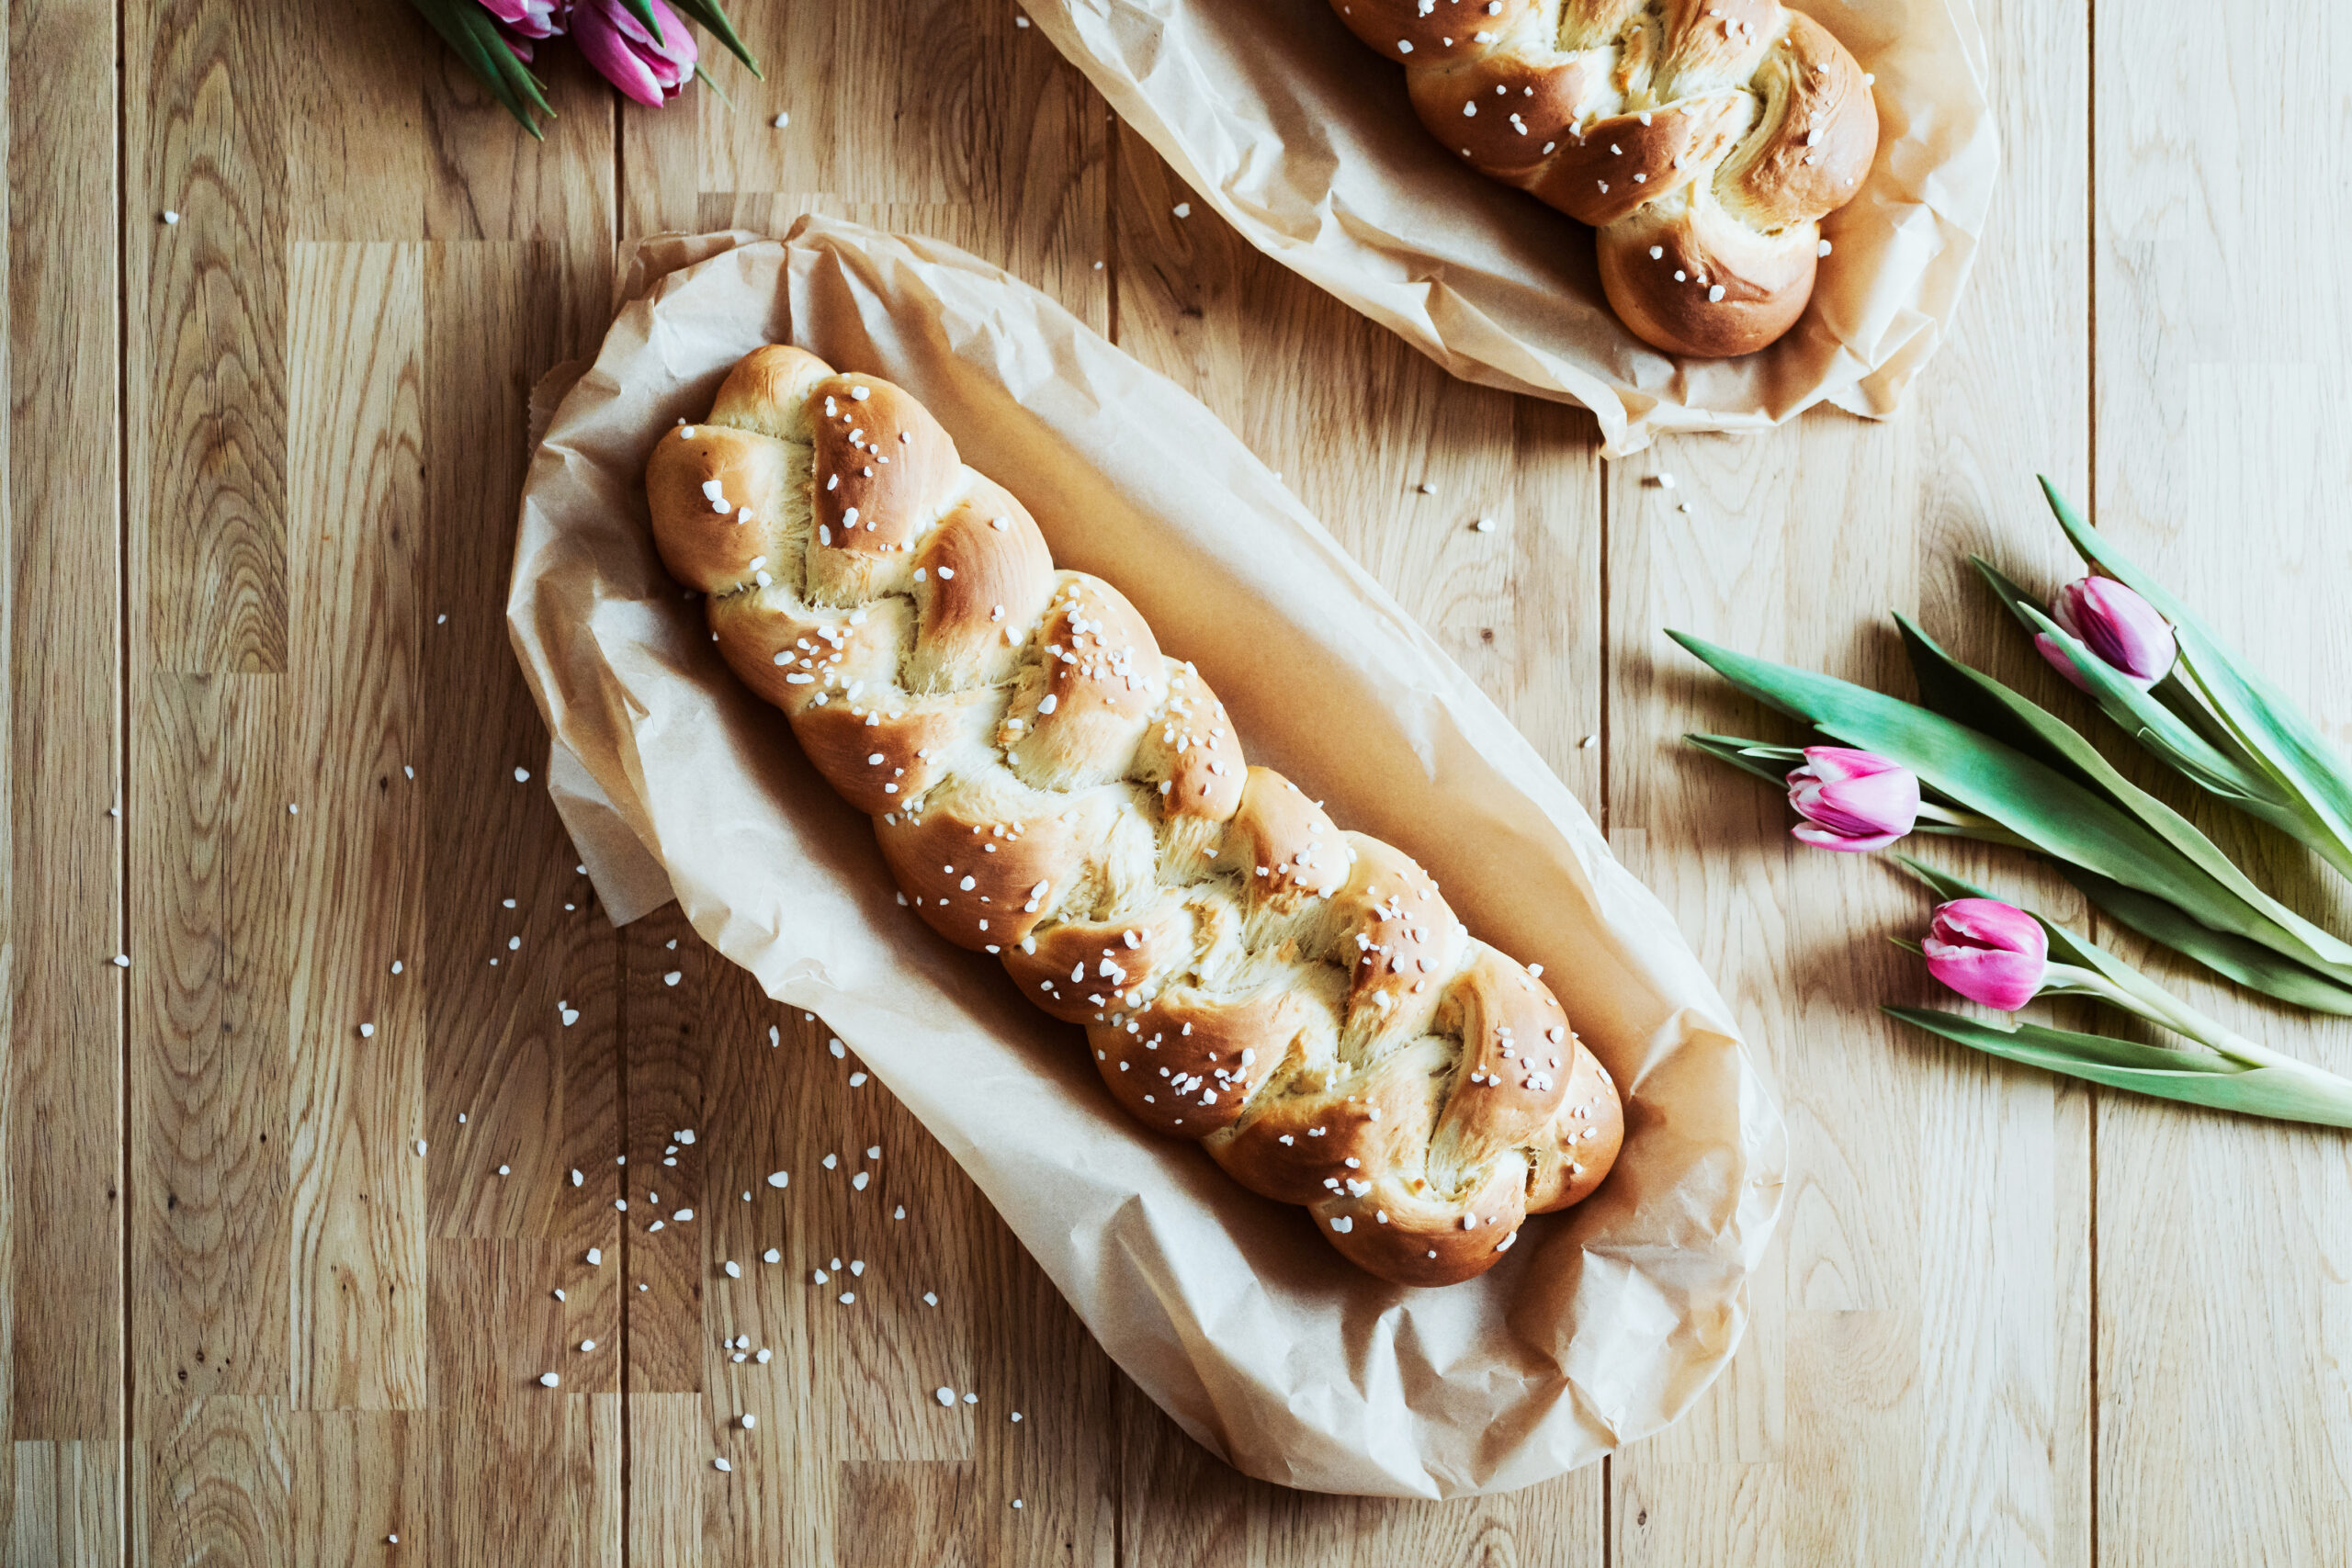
{"x": 1049, "y": 787}
{"x": 1703, "y": 139}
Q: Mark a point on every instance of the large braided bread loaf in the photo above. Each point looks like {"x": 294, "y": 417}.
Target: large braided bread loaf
{"x": 1704, "y": 140}
{"x": 1048, "y": 787}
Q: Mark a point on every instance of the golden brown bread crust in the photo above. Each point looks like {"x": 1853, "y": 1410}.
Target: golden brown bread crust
{"x": 1047, "y": 786}
{"x": 1704, "y": 139}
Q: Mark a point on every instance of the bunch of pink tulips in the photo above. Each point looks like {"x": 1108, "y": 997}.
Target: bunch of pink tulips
{"x": 641, "y": 46}
{"x": 1976, "y": 760}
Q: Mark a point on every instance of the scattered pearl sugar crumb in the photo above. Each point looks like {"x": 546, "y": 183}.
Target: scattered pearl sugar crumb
{"x": 781, "y": 120}
{"x": 946, "y": 1397}
{"x": 549, "y": 1379}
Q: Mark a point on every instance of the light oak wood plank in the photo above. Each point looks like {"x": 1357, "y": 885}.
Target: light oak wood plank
{"x": 670, "y": 1470}
{"x": 356, "y": 1031}
{"x": 848, "y": 1391}
{"x": 209, "y": 1064}
{"x": 61, "y": 1010}
{"x": 205, "y": 136}
{"x": 2224, "y": 1410}
{"x": 519, "y": 962}
{"x": 528, "y": 1474}
{"x": 358, "y": 1478}
{"x": 215, "y": 1481}
{"x": 1357, "y": 424}
{"x": 913, "y": 107}
{"x": 65, "y": 1504}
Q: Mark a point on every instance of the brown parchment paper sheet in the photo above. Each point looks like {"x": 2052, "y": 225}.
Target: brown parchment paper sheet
{"x": 1601, "y": 1325}
{"x": 1304, "y": 141}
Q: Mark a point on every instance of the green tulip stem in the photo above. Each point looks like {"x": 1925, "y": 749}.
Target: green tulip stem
{"x": 1972, "y": 825}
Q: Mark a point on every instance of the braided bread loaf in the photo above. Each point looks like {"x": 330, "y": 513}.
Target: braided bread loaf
{"x": 1048, "y": 787}
{"x": 1704, "y": 140}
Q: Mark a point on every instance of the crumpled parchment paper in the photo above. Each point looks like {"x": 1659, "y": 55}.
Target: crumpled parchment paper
{"x": 1603, "y": 1324}
{"x": 1304, "y": 141}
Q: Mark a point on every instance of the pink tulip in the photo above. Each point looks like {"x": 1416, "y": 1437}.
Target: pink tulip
{"x": 2121, "y": 630}
{"x": 1852, "y": 800}
{"x": 648, "y": 69}
{"x": 529, "y": 18}
{"x": 1987, "y": 951}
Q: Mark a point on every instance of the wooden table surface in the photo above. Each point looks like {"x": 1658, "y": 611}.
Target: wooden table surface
{"x": 261, "y": 475}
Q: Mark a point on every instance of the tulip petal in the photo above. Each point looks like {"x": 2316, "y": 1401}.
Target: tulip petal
{"x": 2047, "y": 645}
{"x": 2003, "y": 980}
{"x": 1826, "y": 839}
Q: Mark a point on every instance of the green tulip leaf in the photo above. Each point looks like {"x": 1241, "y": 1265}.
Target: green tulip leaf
{"x": 2228, "y": 901}
{"x": 711, "y": 18}
{"x": 475, "y": 40}
{"x": 1771, "y": 764}
{"x": 2281, "y": 1093}
{"x": 2248, "y": 963}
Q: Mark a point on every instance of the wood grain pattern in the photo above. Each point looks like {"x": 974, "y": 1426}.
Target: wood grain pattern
{"x": 61, "y": 918}
{"x": 356, "y": 1099}
{"x": 205, "y": 138}
{"x": 261, "y": 466}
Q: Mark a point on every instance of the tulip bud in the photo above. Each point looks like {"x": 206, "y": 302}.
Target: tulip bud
{"x": 1852, "y": 800}
{"x": 648, "y": 69}
{"x": 2121, "y": 630}
{"x": 1987, "y": 951}
{"x": 529, "y": 18}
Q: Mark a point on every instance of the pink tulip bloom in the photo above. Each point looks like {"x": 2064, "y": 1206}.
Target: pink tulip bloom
{"x": 1852, "y": 800}
{"x": 1987, "y": 951}
{"x": 649, "y": 70}
{"x": 2121, "y": 630}
{"x": 529, "y": 18}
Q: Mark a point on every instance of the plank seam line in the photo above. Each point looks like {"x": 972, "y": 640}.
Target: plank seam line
{"x": 1112, "y": 253}
{"x": 122, "y": 751}
{"x": 2090, "y": 393}
{"x": 617, "y": 120}
{"x": 1601, "y": 485}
